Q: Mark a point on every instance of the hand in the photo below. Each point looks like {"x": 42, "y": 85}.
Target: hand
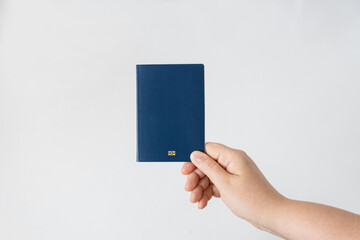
{"x": 230, "y": 174}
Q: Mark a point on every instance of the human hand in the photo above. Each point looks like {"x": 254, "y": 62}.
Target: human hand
{"x": 230, "y": 174}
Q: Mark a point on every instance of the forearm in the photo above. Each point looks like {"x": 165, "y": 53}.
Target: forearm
{"x": 305, "y": 220}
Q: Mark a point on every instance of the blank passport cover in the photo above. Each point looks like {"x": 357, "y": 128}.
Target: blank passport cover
{"x": 170, "y": 112}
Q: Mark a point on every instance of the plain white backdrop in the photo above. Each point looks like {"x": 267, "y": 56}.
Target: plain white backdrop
{"x": 282, "y": 83}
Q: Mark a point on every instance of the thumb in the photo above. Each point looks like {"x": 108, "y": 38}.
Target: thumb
{"x": 210, "y": 167}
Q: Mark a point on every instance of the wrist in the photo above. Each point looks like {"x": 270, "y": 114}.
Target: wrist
{"x": 271, "y": 214}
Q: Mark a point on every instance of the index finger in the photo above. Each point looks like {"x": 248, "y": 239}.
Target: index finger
{"x": 189, "y": 167}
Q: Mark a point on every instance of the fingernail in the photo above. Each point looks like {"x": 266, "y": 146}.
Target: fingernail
{"x": 197, "y": 157}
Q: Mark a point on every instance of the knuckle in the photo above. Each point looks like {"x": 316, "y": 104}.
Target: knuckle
{"x": 209, "y": 146}
{"x": 211, "y": 164}
{"x": 208, "y": 195}
{"x": 241, "y": 153}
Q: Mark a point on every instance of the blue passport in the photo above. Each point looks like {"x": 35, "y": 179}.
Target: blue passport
{"x": 170, "y": 112}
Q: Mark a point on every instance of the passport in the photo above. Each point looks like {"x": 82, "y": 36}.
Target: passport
{"x": 170, "y": 112}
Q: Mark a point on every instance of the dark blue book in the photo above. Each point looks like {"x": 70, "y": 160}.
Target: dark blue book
{"x": 170, "y": 112}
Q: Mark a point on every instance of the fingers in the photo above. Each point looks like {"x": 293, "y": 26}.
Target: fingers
{"x": 189, "y": 167}
{"x": 216, "y": 192}
{"x": 219, "y": 152}
{"x": 200, "y": 171}
{"x": 203, "y": 196}
{"x": 214, "y": 150}
{"x": 192, "y": 181}
{"x": 193, "y": 177}
{"x": 197, "y": 193}
{"x": 204, "y": 183}
{"x": 207, "y": 194}
{"x": 210, "y": 167}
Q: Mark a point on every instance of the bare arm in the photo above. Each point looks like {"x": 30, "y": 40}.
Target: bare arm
{"x": 306, "y": 220}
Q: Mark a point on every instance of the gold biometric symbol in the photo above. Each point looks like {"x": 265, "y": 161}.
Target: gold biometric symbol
{"x": 171, "y": 153}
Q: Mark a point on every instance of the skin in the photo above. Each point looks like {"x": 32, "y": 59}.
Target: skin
{"x": 231, "y": 175}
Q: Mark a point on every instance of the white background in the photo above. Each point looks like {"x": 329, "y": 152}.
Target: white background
{"x": 282, "y": 83}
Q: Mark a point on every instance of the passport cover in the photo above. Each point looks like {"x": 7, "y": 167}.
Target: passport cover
{"x": 170, "y": 112}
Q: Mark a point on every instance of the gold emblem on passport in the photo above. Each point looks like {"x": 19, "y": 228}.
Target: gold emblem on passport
{"x": 171, "y": 153}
